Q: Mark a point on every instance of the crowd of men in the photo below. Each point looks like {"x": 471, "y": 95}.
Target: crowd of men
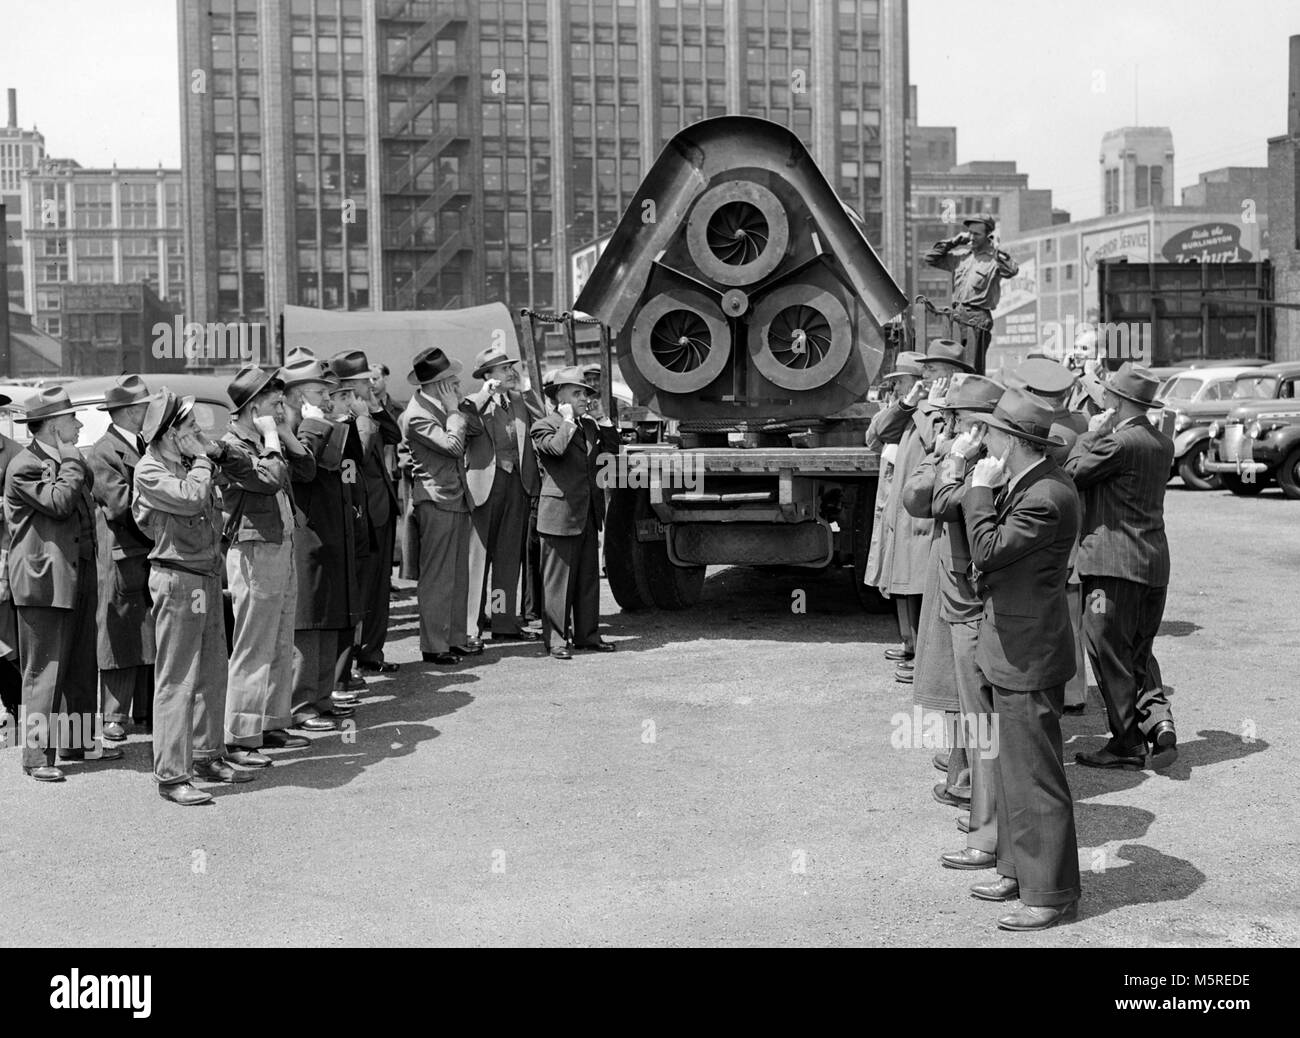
{"x": 1019, "y": 527}
{"x": 111, "y": 585}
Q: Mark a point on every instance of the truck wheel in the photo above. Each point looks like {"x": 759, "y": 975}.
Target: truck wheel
{"x": 624, "y": 555}
{"x": 1191, "y": 468}
{"x": 672, "y": 587}
{"x": 1243, "y": 489}
{"x": 1288, "y": 476}
{"x": 864, "y": 518}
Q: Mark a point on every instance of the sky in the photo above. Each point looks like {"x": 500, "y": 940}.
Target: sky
{"x": 1037, "y": 81}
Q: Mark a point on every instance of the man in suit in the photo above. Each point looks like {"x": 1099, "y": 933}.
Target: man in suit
{"x": 436, "y": 432}
{"x": 378, "y": 433}
{"x": 52, "y": 576}
{"x": 1121, "y": 466}
{"x": 124, "y": 618}
{"x": 177, "y": 509}
{"x": 501, "y": 477}
{"x": 569, "y": 516}
{"x": 324, "y": 548}
{"x": 259, "y": 520}
{"x": 11, "y": 678}
{"x": 1020, "y": 543}
{"x": 1055, "y": 383}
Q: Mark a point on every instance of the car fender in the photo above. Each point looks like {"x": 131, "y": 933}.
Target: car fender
{"x": 1189, "y": 438}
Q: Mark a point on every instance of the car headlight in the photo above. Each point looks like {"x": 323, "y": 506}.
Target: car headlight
{"x": 1181, "y": 422}
{"x": 1215, "y": 429}
{"x": 1253, "y": 430}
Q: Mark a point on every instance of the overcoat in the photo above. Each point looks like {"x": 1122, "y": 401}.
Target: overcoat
{"x": 325, "y": 546}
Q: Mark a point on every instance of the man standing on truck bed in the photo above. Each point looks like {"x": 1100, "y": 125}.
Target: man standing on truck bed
{"x": 978, "y": 268}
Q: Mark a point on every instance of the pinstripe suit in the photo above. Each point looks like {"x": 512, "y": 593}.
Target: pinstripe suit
{"x": 1124, "y": 564}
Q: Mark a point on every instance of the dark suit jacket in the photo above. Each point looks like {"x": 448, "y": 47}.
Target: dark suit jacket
{"x": 44, "y": 494}
{"x": 1022, "y": 551}
{"x": 325, "y": 547}
{"x": 381, "y": 495}
{"x": 567, "y": 459}
{"x": 113, "y": 460}
{"x": 480, "y": 451}
{"x": 1121, "y": 476}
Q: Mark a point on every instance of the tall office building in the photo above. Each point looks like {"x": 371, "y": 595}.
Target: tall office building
{"x": 20, "y": 150}
{"x": 420, "y": 154}
{"x": 1137, "y": 168}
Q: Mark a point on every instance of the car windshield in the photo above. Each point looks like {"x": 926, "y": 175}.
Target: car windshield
{"x": 1183, "y": 388}
{"x": 1249, "y": 387}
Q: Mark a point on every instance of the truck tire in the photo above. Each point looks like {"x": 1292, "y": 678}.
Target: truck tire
{"x": 625, "y": 567}
{"x": 864, "y": 518}
{"x": 1192, "y": 472}
{"x": 672, "y": 587}
{"x": 1243, "y": 489}
{"x": 1288, "y": 476}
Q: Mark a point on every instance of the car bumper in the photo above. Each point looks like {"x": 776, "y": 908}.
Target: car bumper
{"x": 1239, "y": 467}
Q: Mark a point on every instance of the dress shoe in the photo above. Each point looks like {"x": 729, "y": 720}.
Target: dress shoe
{"x": 315, "y": 724}
{"x": 377, "y": 667}
{"x": 246, "y": 758}
{"x": 351, "y": 683}
{"x": 345, "y": 699}
{"x": 898, "y": 654}
{"x": 282, "y": 740}
{"x": 219, "y": 771}
{"x": 903, "y": 676}
{"x": 184, "y": 794}
{"x": 338, "y": 713}
{"x": 1076, "y": 708}
{"x": 969, "y": 858}
{"x": 1004, "y": 888}
{"x": 596, "y": 647}
{"x": 907, "y": 665}
{"x": 446, "y": 659}
{"x": 467, "y": 650}
{"x": 561, "y": 653}
{"x": 1039, "y": 917}
{"x": 963, "y": 823}
{"x": 1163, "y": 736}
{"x": 45, "y": 773}
{"x": 114, "y": 732}
{"x": 941, "y": 762}
{"x": 517, "y": 636}
{"x": 105, "y": 753}
{"x": 1103, "y": 758}
{"x": 952, "y": 797}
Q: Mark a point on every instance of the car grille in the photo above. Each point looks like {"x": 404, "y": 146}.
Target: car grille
{"x": 1230, "y": 446}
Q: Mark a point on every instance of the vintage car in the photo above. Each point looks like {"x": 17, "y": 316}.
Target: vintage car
{"x": 1199, "y": 396}
{"x": 1259, "y": 440}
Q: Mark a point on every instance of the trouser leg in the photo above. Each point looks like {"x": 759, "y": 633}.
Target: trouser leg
{"x": 1152, "y": 702}
{"x": 211, "y": 679}
{"x": 507, "y": 549}
{"x": 908, "y": 609}
{"x": 586, "y": 589}
{"x": 43, "y": 639}
{"x": 278, "y": 710}
{"x": 1111, "y": 607}
{"x": 558, "y": 562}
{"x": 976, "y": 721}
{"x": 533, "y": 566}
{"x": 260, "y": 577}
{"x": 1039, "y": 810}
{"x": 376, "y": 596}
{"x": 1076, "y": 689}
{"x": 179, "y": 630}
{"x": 444, "y": 576}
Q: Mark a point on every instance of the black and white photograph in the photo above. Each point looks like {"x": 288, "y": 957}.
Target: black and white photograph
{"x": 650, "y": 474}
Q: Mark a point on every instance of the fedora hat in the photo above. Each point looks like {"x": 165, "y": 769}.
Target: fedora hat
{"x": 949, "y": 351}
{"x": 249, "y": 381}
{"x": 1029, "y": 417}
{"x": 430, "y": 365}
{"x": 50, "y": 402}
{"x": 1134, "y": 383}
{"x": 304, "y": 370}
{"x": 1041, "y": 375}
{"x": 299, "y": 353}
{"x": 974, "y": 393}
{"x": 352, "y": 364}
{"x": 566, "y": 377}
{"x": 126, "y": 392}
{"x": 906, "y": 363}
{"x": 490, "y": 358}
{"x": 166, "y": 409}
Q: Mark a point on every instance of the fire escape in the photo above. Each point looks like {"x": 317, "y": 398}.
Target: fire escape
{"x": 415, "y": 213}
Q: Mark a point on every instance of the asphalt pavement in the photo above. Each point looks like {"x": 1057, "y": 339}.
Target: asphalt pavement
{"x": 729, "y": 776}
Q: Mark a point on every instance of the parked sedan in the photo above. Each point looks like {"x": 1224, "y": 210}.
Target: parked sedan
{"x": 1259, "y": 440}
{"x": 1197, "y": 397}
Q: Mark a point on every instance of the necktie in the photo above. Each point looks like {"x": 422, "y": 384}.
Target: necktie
{"x": 139, "y": 444}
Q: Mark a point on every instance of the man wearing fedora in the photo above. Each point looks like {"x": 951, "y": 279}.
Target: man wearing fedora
{"x": 978, "y": 269}
{"x": 50, "y": 516}
{"x": 259, "y": 519}
{"x": 176, "y": 506}
{"x": 324, "y": 549}
{"x": 1121, "y": 466}
{"x": 377, "y": 433}
{"x": 1022, "y": 516}
{"x": 968, "y": 404}
{"x": 569, "y": 516}
{"x": 501, "y": 477}
{"x": 124, "y": 619}
{"x": 11, "y": 678}
{"x": 436, "y": 431}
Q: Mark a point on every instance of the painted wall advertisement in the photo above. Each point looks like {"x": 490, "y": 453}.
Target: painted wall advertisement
{"x": 583, "y": 262}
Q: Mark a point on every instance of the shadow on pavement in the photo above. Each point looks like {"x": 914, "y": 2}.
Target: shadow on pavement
{"x": 1211, "y": 747}
{"x": 1149, "y": 878}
